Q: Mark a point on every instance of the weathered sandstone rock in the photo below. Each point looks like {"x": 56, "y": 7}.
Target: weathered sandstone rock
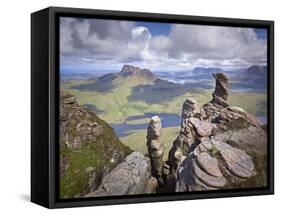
{"x": 155, "y": 147}
{"x": 132, "y": 176}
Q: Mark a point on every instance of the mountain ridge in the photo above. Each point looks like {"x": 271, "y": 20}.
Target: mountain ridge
{"x": 130, "y": 70}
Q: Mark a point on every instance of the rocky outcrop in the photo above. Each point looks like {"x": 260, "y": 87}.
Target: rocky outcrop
{"x": 193, "y": 129}
{"x": 77, "y": 126}
{"x": 155, "y": 147}
{"x": 224, "y": 146}
{"x": 214, "y": 165}
{"x": 132, "y": 176}
{"x": 89, "y": 148}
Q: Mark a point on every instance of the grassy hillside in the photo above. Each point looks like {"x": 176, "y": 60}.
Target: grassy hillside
{"x": 115, "y": 104}
{"x": 255, "y": 103}
{"x": 75, "y": 180}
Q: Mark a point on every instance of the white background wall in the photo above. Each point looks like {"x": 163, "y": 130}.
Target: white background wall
{"x": 15, "y": 106}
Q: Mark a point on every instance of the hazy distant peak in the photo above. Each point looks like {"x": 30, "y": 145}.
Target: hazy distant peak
{"x": 257, "y": 69}
{"x": 254, "y": 73}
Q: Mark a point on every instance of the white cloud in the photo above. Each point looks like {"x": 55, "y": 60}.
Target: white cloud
{"x": 208, "y": 44}
{"x": 109, "y": 43}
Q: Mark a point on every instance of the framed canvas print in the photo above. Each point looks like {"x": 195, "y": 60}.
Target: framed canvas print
{"x": 138, "y": 107}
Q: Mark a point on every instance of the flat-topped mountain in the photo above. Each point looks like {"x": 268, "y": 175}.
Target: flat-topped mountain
{"x": 130, "y": 70}
{"x": 203, "y": 70}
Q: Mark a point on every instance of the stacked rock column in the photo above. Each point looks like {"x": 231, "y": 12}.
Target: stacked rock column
{"x": 189, "y": 109}
{"x": 155, "y": 148}
{"x": 220, "y": 95}
{"x": 186, "y": 137}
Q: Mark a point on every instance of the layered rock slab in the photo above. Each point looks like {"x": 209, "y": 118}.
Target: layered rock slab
{"x": 214, "y": 165}
{"x": 132, "y": 176}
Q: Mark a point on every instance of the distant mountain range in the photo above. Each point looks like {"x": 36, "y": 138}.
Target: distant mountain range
{"x": 253, "y": 78}
{"x": 146, "y": 85}
{"x": 134, "y": 91}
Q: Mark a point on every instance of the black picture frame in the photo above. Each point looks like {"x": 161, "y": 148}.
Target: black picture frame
{"x": 45, "y": 110}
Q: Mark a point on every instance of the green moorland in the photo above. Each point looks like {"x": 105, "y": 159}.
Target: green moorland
{"x": 116, "y": 106}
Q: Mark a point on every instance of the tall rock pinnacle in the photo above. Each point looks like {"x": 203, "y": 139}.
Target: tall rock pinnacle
{"x": 155, "y": 147}
{"x": 189, "y": 108}
{"x": 220, "y": 95}
{"x": 186, "y": 136}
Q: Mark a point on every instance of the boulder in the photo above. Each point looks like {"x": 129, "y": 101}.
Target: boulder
{"x": 203, "y": 128}
{"x": 132, "y": 176}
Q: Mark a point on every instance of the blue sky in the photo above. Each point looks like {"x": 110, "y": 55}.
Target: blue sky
{"x": 164, "y": 29}
{"x": 95, "y": 44}
{"x": 157, "y": 28}
{"x": 261, "y": 33}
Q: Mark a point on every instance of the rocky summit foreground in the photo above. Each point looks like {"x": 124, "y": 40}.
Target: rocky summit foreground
{"x": 93, "y": 161}
{"x": 218, "y": 147}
